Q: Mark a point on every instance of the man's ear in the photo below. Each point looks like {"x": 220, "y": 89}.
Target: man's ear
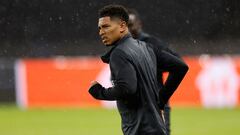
{"x": 123, "y": 26}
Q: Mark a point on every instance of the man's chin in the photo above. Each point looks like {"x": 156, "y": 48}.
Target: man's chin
{"x": 106, "y": 44}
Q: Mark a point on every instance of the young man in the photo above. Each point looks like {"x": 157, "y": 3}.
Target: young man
{"x": 135, "y": 28}
{"x": 133, "y": 66}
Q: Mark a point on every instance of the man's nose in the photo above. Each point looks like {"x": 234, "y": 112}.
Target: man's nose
{"x": 101, "y": 32}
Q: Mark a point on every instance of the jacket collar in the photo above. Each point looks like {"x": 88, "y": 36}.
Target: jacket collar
{"x": 106, "y": 57}
{"x": 142, "y": 36}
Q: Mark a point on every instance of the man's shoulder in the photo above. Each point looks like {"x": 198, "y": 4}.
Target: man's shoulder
{"x": 129, "y": 48}
{"x": 156, "y": 41}
{"x": 118, "y": 53}
{"x": 127, "y": 44}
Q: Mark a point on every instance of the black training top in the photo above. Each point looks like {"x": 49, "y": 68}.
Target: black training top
{"x": 133, "y": 67}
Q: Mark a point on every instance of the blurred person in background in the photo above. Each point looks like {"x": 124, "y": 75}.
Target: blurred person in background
{"x": 135, "y": 28}
{"x": 133, "y": 66}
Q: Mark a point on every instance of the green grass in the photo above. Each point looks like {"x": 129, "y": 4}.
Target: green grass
{"x": 206, "y": 121}
{"x": 185, "y": 121}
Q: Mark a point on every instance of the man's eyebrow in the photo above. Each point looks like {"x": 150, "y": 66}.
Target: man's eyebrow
{"x": 104, "y": 25}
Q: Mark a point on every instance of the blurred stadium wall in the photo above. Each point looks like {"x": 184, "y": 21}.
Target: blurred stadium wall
{"x": 45, "y": 29}
{"x": 212, "y": 82}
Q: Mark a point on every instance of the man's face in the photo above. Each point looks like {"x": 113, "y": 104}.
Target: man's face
{"x": 109, "y": 30}
{"x": 134, "y": 25}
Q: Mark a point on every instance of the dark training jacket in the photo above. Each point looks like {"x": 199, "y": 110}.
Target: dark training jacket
{"x": 133, "y": 66}
{"x": 156, "y": 44}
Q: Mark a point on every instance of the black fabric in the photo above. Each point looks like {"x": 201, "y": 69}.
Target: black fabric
{"x": 158, "y": 44}
{"x": 133, "y": 67}
{"x": 162, "y": 46}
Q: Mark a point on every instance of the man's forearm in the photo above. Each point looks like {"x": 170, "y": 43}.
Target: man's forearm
{"x": 172, "y": 82}
{"x": 113, "y": 93}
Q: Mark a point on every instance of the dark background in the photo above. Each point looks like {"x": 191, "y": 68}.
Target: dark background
{"x": 44, "y": 28}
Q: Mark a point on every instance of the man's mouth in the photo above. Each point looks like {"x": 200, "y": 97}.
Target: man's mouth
{"x": 104, "y": 39}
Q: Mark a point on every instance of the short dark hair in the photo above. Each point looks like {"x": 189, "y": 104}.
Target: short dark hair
{"x": 117, "y": 11}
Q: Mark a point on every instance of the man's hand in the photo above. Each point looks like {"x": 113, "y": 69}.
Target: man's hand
{"x": 163, "y": 117}
{"x": 93, "y": 83}
{"x": 96, "y": 90}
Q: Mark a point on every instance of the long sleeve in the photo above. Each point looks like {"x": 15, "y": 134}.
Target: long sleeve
{"x": 177, "y": 70}
{"x": 125, "y": 82}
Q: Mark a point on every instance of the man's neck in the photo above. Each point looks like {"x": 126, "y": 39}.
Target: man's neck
{"x": 124, "y": 34}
